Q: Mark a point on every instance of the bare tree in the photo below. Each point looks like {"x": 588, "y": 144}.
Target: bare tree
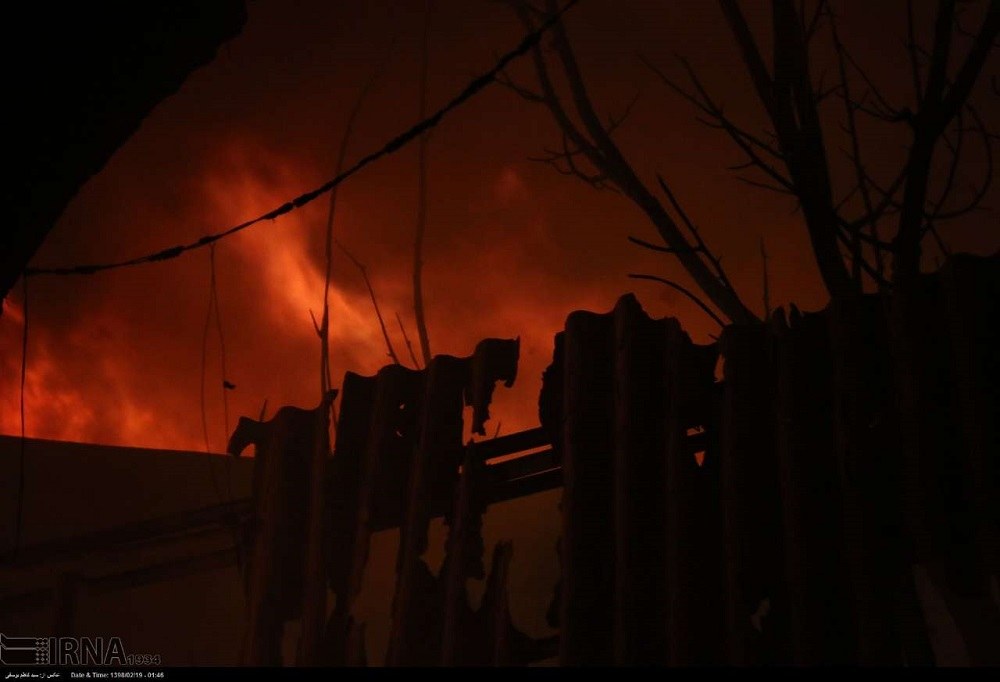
{"x": 591, "y": 141}
{"x": 792, "y": 102}
{"x": 850, "y": 231}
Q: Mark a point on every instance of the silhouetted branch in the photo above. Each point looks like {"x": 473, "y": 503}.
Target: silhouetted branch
{"x": 777, "y": 189}
{"x": 706, "y": 104}
{"x": 701, "y": 246}
{"x": 937, "y": 238}
{"x": 886, "y": 112}
{"x": 956, "y": 154}
{"x": 371, "y": 292}
{"x": 323, "y": 328}
{"x": 567, "y": 155}
{"x": 822, "y": 10}
{"x": 592, "y": 140}
{"x": 654, "y": 247}
{"x": 525, "y": 93}
{"x": 595, "y": 180}
{"x": 861, "y": 177}
{"x": 687, "y": 292}
{"x": 615, "y": 123}
{"x": 406, "y": 338}
{"x": 767, "y": 287}
{"x": 939, "y": 106}
{"x": 885, "y": 205}
{"x": 936, "y": 214}
{"x": 213, "y": 307}
{"x": 961, "y": 87}
{"x": 845, "y": 239}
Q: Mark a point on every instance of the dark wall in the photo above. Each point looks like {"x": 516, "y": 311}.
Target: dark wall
{"x": 79, "y": 79}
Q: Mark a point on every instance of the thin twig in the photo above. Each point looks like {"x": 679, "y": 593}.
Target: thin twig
{"x": 767, "y": 287}
{"x": 226, "y": 385}
{"x": 204, "y": 366}
{"x": 859, "y": 169}
{"x": 662, "y": 249}
{"x": 326, "y": 380}
{"x": 371, "y": 292}
{"x": 406, "y": 338}
{"x": 702, "y": 248}
{"x": 701, "y": 304}
{"x": 587, "y": 132}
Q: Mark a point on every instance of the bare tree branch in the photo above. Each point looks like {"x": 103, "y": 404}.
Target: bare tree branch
{"x": 593, "y": 141}
{"x": 861, "y": 177}
{"x": 526, "y": 94}
{"x": 701, "y": 247}
{"x": 654, "y": 247}
{"x": 406, "y": 338}
{"x": 323, "y": 328}
{"x": 936, "y": 112}
{"x": 599, "y": 181}
{"x": 706, "y": 104}
{"x": 790, "y": 102}
{"x": 979, "y": 194}
{"x": 371, "y": 292}
{"x": 687, "y": 292}
{"x": 767, "y": 287}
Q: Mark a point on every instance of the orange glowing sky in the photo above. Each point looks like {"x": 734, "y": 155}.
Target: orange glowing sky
{"x": 512, "y": 247}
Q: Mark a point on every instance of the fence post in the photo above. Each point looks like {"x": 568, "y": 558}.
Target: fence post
{"x": 414, "y": 638}
{"x": 639, "y": 600}
{"x": 343, "y": 483}
{"x": 464, "y": 558}
{"x": 694, "y": 574}
{"x": 869, "y": 461}
{"x": 972, "y": 287}
{"x": 382, "y": 467}
{"x": 971, "y": 301}
{"x": 496, "y": 608}
{"x": 314, "y": 568}
{"x": 756, "y": 602}
{"x": 821, "y": 628}
{"x": 927, "y": 468}
{"x": 276, "y": 567}
{"x": 588, "y": 546}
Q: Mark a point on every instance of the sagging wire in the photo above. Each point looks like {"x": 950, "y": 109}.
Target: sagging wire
{"x": 214, "y": 307}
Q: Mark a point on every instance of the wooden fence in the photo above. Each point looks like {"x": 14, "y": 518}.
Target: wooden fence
{"x": 785, "y": 495}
